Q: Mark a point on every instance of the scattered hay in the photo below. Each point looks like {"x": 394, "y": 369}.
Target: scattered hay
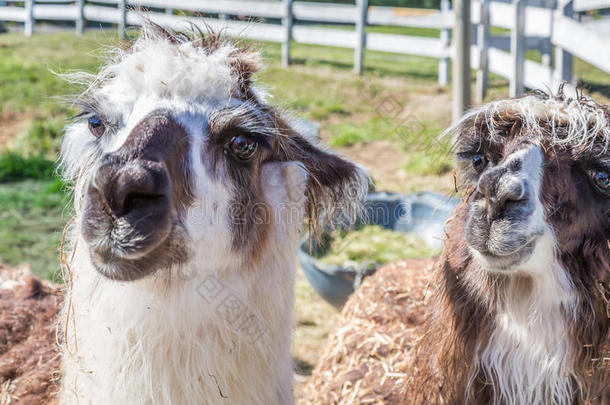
{"x": 29, "y": 355}
{"x": 367, "y": 358}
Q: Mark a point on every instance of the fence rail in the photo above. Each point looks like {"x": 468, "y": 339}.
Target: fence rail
{"x": 533, "y": 24}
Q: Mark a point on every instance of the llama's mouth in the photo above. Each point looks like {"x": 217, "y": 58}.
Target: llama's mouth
{"x": 130, "y": 240}
{"x": 112, "y": 262}
{"x": 506, "y": 261}
{"x": 503, "y": 237}
{"x": 503, "y": 244}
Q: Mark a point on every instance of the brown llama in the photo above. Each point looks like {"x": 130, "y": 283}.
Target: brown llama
{"x": 519, "y": 303}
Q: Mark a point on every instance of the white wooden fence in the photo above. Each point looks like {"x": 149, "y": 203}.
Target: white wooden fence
{"x": 534, "y": 24}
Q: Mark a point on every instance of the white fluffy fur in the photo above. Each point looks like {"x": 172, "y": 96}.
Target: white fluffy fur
{"x": 167, "y": 344}
{"x": 528, "y": 354}
{"x": 583, "y": 121}
{"x": 156, "y": 74}
{"x": 159, "y": 340}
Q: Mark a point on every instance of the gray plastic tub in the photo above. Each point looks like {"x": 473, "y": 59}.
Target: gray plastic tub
{"x": 423, "y": 214}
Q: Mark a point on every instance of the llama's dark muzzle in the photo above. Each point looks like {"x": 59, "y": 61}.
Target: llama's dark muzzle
{"x": 505, "y": 215}
{"x": 131, "y": 204}
{"x": 135, "y": 198}
{"x": 136, "y": 188}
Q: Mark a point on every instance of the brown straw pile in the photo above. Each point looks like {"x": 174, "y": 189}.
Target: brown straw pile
{"x": 29, "y": 355}
{"x": 366, "y": 359}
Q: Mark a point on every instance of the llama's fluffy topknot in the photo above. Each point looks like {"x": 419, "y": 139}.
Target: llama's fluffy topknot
{"x": 558, "y": 120}
{"x": 188, "y": 65}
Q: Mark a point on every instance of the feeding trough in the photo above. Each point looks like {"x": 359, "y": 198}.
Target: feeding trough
{"x": 421, "y": 214}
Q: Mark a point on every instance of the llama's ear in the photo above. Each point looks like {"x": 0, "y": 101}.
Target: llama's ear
{"x": 285, "y": 182}
{"x": 336, "y": 187}
{"x": 245, "y": 62}
{"x": 285, "y": 188}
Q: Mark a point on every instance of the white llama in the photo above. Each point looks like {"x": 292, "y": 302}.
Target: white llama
{"x": 190, "y": 194}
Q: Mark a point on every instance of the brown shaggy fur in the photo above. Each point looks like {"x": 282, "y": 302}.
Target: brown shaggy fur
{"x": 29, "y": 356}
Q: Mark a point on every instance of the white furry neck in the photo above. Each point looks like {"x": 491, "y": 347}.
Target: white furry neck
{"x": 210, "y": 336}
{"x": 529, "y": 356}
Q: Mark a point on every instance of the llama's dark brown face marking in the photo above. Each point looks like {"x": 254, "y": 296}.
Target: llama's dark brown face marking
{"x": 576, "y": 195}
{"x": 526, "y": 182}
{"x": 136, "y": 199}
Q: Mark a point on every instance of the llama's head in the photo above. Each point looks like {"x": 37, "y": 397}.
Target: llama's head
{"x": 537, "y": 169}
{"x": 177, "y": 155}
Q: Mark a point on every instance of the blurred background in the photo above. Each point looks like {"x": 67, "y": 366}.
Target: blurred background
{"x": 376, "y": 81}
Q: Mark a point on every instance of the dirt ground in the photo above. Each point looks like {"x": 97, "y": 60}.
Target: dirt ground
{"x": 386, "y": 164}
{"x": 12, "y": 124}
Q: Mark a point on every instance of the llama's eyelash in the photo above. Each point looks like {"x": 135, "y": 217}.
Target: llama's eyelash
{"x": 230, "y": 132}
{"x": 83, "y": 115}
{"x": 110, "y": 127}
{"x": 467, "y": 155}
{"x": 261, "y": 140}
{"x": 90, "y": 108}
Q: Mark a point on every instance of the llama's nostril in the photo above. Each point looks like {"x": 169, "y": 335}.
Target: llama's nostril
{"x": 133, "y": 187}
{"x": 512, "y": 195}
{"x": 134, "y": 201}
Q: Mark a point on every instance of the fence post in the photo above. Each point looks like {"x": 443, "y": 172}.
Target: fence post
{"x": 563, "y": 59}
{"x": 287, "y": 25}
{"x": 546, "y": 50}
{"x": 517, "y": 49}
{"x": 122, "y": 18}
{"x": 28, "y": 27}
{"x": 483, "y": 36}
{"x": 462, "y": 39}
{"x": 80, "y": 17}
{"x": 444, "y": 63}
{"x": 362, "y": 6}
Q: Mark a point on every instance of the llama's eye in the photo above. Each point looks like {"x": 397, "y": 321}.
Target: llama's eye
{"x": 601, "y": 180}
{"x": 96, "y": 126}
{"x": 242, "y": 147}
{"x": 479, "y": 162}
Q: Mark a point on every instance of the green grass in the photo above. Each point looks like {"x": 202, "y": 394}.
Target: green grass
{"x": 372, "y": 246}
{"x": 33, "y": 217}
{"x": 376, "y": 128}
{"x": 30, "y": 83}
{"x": 386, "y": 29}
{"x": 377, "y": 64}
{"x": 43, "y": 137}
{"x": 410, "y": 134}
{"x": 319, "y": 86}
{"x": 411, "y": 31}
{"x": 27, "y": 67}
{"x": 14, "y": 167}
{"x": 429, "y": 163}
